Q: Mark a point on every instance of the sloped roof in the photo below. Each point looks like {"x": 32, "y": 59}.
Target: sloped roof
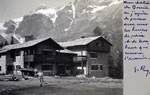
{"x": 29, "y": 44}
{"x": 81, "y": 41}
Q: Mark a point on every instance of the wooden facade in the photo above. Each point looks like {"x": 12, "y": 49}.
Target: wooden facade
{"x": 38, "y": 54}
{"x": 89, "y": 56}
{"x": 92, "y": 59}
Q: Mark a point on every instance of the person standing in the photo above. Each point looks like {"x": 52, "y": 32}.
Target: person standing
{"x": 40, "y": 76}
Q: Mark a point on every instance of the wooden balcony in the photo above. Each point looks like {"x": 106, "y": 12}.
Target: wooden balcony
{"x": 29, "y": 58}
{"x": 64, "y": 59}
{"x": 39, "y": 58}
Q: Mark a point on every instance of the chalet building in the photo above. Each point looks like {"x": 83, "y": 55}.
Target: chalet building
{"x": 42, "y": 54}
{"x": 93, "y": 52}
{"x": 88, "y": 56}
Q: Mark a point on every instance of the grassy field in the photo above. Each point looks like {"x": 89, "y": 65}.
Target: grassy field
{"x": 65, "y": 86}
{"x": 53, "y": 90}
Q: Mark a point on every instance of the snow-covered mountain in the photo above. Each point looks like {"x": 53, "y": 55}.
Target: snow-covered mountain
{"x": 76, "y": 19}
{"x": 2, "y": 27}
{"x": 7, "y": 33}
{"x": 73, "y": 20}
{"x": 2, "y": 30}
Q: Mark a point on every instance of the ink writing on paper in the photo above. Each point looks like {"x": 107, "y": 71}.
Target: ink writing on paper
{"x": 136, "y": 40}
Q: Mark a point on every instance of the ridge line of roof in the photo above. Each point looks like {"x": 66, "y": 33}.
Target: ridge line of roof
{"x": 25, "y": 44}
{"x": 81, "y": 41}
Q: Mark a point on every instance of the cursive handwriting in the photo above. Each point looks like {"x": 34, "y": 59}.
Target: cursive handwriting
{"x": 136, "y": 29}
{"x": 142, "y": 68}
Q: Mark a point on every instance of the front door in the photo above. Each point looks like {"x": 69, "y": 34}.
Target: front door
{"x": 61, "y": 70}
{"x": 10, "y": 69}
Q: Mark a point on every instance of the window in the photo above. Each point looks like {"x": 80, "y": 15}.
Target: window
{"x": 101, "y": 67}
{"x": 94, "y": 67}
{"x": 47, "y": 67}
{"x": 93, "y": 55}
{"x": 29, "y": 52}
{"x": 12, "y": 54}
{"x": 10, "y": 68}
{"x": 68, "y": 67}
{"x": 0, "y": 68}
{"x": 97, "y": 67}
{"x": 17, "y": 53}
{"x": 32, "y": 51}
{"x": 99, "y": 44}
{"x": 26, "y": 65}
{"x": 48, "y": 52}
{"x": 25, "y": 52}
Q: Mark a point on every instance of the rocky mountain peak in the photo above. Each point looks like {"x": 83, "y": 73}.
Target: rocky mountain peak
{"x": 76, "y": 19}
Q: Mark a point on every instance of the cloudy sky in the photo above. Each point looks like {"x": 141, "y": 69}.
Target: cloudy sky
{"x": 10, "y": 9}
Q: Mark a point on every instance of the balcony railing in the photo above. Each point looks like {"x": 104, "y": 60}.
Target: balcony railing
{"x": 39, "y": 58}
{"x": 51, "y": 58}
{"x": 80, "y": 58}
{"x": 29, "y": 58}
{"x": 64, "y": 59}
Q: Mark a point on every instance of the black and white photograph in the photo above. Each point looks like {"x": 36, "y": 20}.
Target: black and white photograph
{"x": 61, "y": 47}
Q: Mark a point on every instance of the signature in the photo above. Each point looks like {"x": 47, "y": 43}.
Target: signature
{"x": 142, "y": 69}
